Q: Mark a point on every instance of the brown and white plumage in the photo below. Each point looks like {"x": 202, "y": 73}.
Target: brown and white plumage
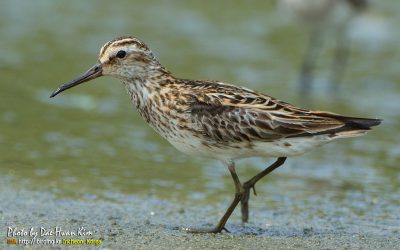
{"x": 215, "y": 119}
{"x": 227, "y": 122}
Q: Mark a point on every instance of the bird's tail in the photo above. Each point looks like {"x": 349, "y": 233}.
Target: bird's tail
{"x": 359, "y": 123}
{"x": 354, "y": 127}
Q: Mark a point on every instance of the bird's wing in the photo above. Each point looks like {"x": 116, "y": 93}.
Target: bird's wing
{"x": 234, "y": 116}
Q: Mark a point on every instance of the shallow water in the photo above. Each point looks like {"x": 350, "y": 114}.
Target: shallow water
{"x": 90, "y": 143}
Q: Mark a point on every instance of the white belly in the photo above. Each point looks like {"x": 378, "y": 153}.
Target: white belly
{"x": 281, "y": 148}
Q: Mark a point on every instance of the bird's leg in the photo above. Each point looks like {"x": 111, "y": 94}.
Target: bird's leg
{"x": 340, "y": 61}
{"x": 238, "y": 197}
{"x": 308, "y": 64}
{"x": 250, "y": 185}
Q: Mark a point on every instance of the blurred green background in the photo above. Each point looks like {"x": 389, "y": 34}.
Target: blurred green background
{"x": 90, "y": 142}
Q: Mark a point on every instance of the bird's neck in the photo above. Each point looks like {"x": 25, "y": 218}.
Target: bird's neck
{"x": 142, "y": 87}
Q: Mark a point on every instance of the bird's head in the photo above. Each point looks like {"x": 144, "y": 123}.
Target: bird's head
{"x": 125, "y": 58}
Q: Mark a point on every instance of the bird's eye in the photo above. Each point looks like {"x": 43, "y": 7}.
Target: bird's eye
{"x": 121, "y": 54}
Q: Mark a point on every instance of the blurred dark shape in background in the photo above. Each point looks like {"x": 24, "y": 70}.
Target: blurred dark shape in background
{"x": 320, "y": 17}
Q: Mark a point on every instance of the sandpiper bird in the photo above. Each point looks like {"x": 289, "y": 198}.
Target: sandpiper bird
{"x": 320, "y": 16}
{"x": 217, "y": 120}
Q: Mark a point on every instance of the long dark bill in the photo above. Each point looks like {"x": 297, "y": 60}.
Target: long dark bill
{"x": 91, "y": 74}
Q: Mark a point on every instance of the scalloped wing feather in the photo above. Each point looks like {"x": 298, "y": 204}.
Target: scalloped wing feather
{"x": 231, "y": 114}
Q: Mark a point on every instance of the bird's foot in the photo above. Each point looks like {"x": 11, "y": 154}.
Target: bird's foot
{"x": 205, "y": 230}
